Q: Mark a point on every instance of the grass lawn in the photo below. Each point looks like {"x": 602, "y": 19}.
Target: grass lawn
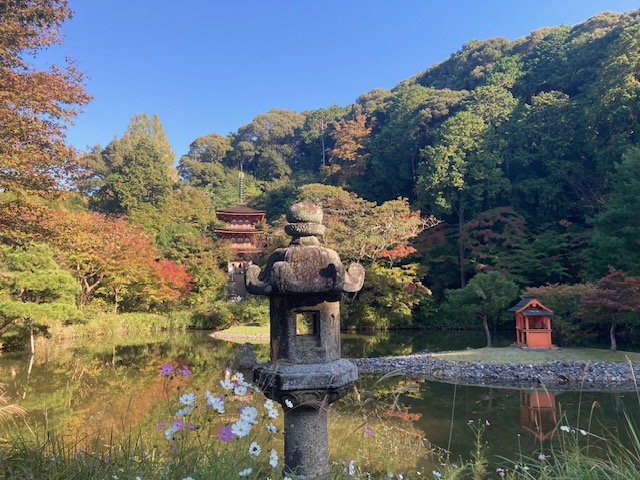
{"x": 517, "y": 355}
{"x": 254, "y": 333}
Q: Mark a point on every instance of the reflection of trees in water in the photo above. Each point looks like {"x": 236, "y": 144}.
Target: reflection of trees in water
{"x": 107, "y": 384}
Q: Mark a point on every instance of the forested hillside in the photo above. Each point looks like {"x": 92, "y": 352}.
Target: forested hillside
{"x": 527, "y": 151}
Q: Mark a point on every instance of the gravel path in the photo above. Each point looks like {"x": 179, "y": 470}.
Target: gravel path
{"x": 557, "y": 375}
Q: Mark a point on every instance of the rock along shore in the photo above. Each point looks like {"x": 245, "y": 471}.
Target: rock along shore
{"x": 557, "y": 375}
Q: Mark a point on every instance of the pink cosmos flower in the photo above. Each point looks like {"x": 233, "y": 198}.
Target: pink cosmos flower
{"x": 184, "y": 370}
{"x": 166, "y": 369}
{"x": 225, "y": 434}
{"x": 178, "y": 424}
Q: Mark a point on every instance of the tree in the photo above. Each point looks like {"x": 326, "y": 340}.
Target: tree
{"x": 486, "y": 296}
{"x": 141, "y": 127}
{"x": 458, "y": 174}
{"x": 202, "y": 258}
{"x": 406, "y": 118}
{"x": 132, "y": 178}
{"x": 564, "y": 300}
{"x": 360, "y": 230}
{"x": 377, "y": 236}
{"x": 36, "y": 106}
{"x": 317, "y": 126}
{"x": 203, "y": 166}
{"x": 616, "y": 295}
{"x": 269, "y": 145}
{"x": 349, "y": 156}
{"x": 616, "y": 235}
{"x": 33, "y": 290}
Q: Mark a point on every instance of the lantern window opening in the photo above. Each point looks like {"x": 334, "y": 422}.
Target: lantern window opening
{"x": 308, "y": 324}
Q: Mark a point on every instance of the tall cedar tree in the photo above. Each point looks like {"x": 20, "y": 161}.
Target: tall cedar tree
{"x": 36, "y": 106}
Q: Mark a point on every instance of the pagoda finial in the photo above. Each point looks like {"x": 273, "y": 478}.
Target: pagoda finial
{"x": 241, "y": 193}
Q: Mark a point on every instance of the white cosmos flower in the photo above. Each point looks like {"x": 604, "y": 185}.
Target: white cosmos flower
{"x": 240, "y": 390}
{"x": 246, "y": 472}
{"x": 254, "y": 449}
{"x": 215, "y": 402}
{"x": 241, "y": 428}
{"x": 184, "y": 411}
{"x": 227, "y": 384}
{"x": 273, "y": 458}
{"x": 288, "y": 403}
{"x": 249, "y": 414}
{"x": 271, "y": 427}
{"x": 187, "y": 399}
{"x": 273, "y": 413}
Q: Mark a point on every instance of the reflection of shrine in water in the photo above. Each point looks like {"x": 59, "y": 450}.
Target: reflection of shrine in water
{"x": 538, "y": 413}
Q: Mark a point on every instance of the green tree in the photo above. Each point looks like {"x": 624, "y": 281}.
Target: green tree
{"x": 36, "y": 106}
{"x": 486, "y": 296}
{"x": 318, "y": 126}
{"x": 616, "y": 235}
{"x": 458, "y": 175}
{"x": 268, "y": 146}
{"x": 204, "y": 259}
{"x": 134, "y": 178}
{"x": 377, "y": 236}
{"x": 406, "y": 120}
{"x": 33, "y": 291}
{"x": 204, "y": 164}
{"x": 141, "y": 127}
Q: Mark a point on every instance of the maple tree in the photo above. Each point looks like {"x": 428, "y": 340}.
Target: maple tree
{"x": 171, "y": 283}
{"x": 616, "y": 295}
{"x": 36, "y": 106}
{"x": 349, "y": 156}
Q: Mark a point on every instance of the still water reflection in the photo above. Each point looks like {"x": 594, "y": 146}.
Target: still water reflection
{"x": 111, "y": 384}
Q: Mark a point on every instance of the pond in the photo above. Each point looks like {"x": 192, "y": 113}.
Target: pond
{"x": 109, "y": 385}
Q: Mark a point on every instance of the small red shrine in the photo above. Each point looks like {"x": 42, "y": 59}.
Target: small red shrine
{"x": 533, "y": 323}
{"x": 241, "y": 232}
{"x": 538, "y": 413}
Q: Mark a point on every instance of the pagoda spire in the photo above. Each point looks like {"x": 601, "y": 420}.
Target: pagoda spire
{"x": 241, "y": 192}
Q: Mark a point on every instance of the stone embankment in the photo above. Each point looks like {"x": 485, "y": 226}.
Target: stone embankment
{"x": 557, "y": 375}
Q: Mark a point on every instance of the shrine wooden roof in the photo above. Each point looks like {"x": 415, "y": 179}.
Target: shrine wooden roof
{"x": 537, "y": 312}
{"x": 525, "y": 302}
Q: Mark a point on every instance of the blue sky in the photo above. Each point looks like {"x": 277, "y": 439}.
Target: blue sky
{"x": 211, "y": 66}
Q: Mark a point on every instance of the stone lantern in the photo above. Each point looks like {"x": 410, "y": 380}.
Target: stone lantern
{"x": 304, "y": 283}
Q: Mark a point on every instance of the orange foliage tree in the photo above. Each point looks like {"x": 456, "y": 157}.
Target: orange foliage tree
{"x": 35, "y": 106}
{"x": 116, "y": 258}
{"x": 615, "y": 297}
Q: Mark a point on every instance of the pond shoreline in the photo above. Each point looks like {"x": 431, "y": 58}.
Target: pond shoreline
{"x": 556, "y": 375}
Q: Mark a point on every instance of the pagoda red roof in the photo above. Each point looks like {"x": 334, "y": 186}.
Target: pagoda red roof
{"x": 241, "y": 210}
